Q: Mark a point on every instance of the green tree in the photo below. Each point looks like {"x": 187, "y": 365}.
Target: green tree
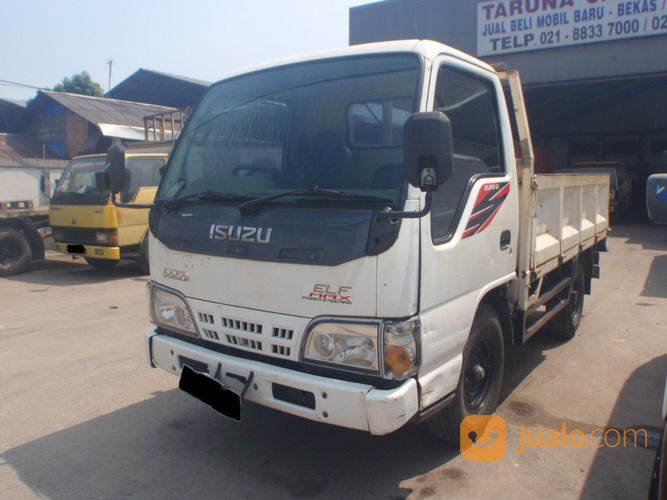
{"x": 80, "y": 83}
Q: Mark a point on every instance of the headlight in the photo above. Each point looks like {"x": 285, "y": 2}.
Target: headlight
{"x": 351, "y": 345}
{"x": 401, "y": 348}
{"x": 108, "y": 238}
{"x": 58, "y": 235}
{"x": 358, "y": 346}
{"x": 170, "y": 311}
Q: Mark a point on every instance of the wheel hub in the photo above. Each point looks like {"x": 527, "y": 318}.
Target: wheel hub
{"x": 478, "y": 373}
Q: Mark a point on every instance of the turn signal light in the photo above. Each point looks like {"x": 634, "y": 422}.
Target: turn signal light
{"x": 397, "y": 359}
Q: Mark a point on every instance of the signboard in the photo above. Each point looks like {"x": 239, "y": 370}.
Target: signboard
{"x": 505, "y": 26}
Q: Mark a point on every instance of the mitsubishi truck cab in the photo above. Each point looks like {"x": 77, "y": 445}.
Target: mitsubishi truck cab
{"x": 84, "y": 221}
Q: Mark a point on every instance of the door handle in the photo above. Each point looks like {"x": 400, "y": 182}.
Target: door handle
{"x": 505, "y": 239}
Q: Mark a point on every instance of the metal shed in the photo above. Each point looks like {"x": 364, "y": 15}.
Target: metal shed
{"x": 155, "y": 87}
{"x": 71, "y": 124}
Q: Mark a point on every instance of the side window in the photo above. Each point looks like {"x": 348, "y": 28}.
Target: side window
{"x": 470, "y": 104}
{"x": 142, "y": 172}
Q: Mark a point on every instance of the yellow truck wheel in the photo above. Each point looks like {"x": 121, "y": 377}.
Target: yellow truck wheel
{"x": 142, "y": 260}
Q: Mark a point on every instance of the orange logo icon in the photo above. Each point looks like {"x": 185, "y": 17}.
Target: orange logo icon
{"x": 483, "y": 438}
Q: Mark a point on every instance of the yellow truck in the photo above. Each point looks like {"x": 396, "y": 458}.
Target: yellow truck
{"x": 85, "y": 222}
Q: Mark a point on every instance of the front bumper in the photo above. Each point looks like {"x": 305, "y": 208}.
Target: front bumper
{"x": 337, "y": 402}
{"x": 95, "y": 252}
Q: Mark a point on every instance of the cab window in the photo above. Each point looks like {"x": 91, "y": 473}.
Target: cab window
{"x": 470, "y": 103}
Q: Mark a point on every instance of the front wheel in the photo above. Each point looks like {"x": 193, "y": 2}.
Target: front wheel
{"x": 478, "y": 390}
{"x": 15, "y": 252}
{"x": 101, "y": 264}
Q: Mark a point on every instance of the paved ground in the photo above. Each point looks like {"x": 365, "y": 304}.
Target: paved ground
{"x": 82, "y": 416}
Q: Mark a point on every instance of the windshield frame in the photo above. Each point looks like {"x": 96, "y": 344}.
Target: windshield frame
{"x": 191, "y": 126}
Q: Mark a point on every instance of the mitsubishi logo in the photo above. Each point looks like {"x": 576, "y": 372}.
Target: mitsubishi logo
{"x": 73, "y": 221}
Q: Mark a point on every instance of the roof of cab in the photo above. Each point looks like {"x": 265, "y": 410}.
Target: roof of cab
{"x": 428, "y": 49}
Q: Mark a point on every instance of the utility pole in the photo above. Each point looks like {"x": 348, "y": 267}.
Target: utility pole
{"x": 110, "y": 63}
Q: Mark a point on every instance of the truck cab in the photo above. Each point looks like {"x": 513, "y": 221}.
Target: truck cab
{"x": 350, "y": 238}
{"x": 84, "y": 221}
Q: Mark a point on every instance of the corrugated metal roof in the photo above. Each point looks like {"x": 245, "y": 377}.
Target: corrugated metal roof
{"x": 15, "y": 146}
{"x": 145, "y": 85}
{"x": 194, "y": 81}
{"x": 12, "y": 103}
{"x": 103, "y": 110}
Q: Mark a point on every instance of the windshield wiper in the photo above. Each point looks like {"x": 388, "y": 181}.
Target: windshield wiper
{"x": 314, "y": 192}
{"x": 208, "y": 195}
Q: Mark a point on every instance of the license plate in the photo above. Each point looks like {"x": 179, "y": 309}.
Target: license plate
{"x": 211, "y": 392}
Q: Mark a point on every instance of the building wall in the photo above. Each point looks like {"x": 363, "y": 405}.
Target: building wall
{"x": 76, "y": 133}
{"x": 63, "y": 132}
{"x": 454, "y": 22}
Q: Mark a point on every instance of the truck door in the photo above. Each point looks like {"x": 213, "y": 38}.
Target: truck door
{"x": 469, "y": 240}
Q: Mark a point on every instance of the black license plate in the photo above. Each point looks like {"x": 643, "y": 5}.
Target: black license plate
{"x": 211, "y": 392}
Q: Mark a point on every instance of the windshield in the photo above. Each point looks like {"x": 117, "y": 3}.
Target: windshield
{"x": 326, "y": 125}
{"x": 79, "y": 176}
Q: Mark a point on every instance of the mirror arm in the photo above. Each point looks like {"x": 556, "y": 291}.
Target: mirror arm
{"x": 401, "y": 214}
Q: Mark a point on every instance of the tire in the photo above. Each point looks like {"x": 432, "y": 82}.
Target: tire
{"x": 101, "y": 264}
{"x": 15, "y": 253}
{"x": 483, "y": 356}
{"x": 142, "y": 261}
{"x": 564, "y": 325}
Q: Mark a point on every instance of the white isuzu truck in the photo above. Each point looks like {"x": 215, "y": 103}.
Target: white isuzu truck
{"x": 350, "y": 238}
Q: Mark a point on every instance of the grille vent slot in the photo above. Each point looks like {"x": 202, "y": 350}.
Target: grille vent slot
{"x": 243, "y": 342}
{"x": 206, "y": 318}
{"x": 280, "y": 349}
{"x": 211, "y": 334}
{"x": 242, "y": 326}
{"x": 282, "y": 333}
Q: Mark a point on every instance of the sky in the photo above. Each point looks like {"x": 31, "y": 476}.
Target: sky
{"x": 44, "y": 41}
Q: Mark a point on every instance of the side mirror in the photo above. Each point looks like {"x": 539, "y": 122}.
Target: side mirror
{"x": 115, "y": 168}
{"x": 427, "y": 149}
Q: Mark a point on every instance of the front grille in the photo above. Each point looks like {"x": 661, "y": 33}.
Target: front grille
{"x": 79, "y": 235}
{"x": 256, "y": 334}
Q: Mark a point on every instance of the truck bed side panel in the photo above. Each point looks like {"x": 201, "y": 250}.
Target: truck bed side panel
{"x": 571, "y": 215}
